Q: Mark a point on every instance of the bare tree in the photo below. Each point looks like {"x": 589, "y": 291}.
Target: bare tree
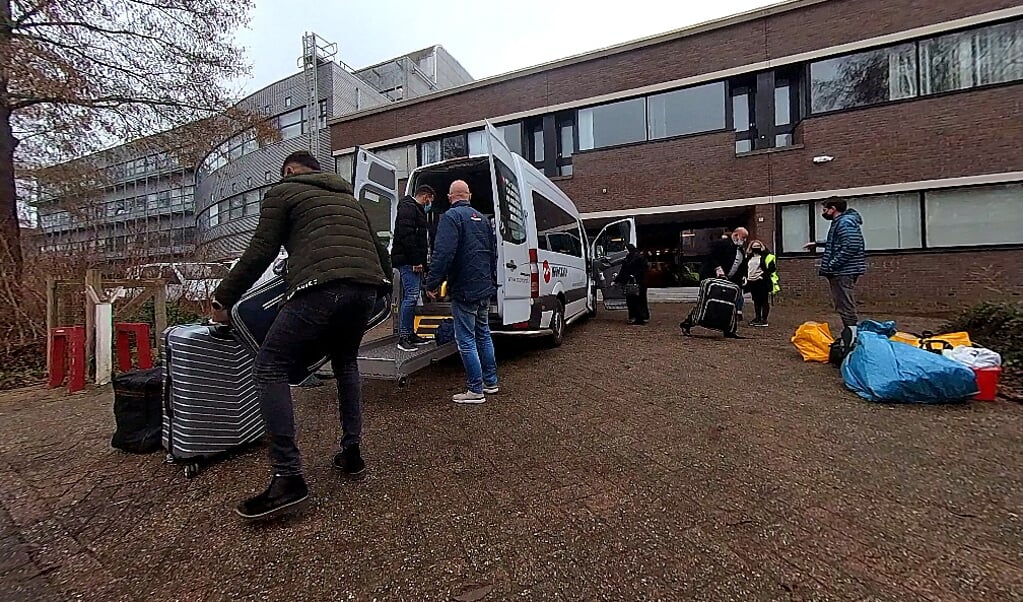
{"x": 78, "y": 76}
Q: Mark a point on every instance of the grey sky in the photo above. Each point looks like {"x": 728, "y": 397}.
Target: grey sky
{"x": 488, "y": 38}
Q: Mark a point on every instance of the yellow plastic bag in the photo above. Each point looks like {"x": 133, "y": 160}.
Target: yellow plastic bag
{"x": 813, "y": 341}
{"x": 955, "y": 339}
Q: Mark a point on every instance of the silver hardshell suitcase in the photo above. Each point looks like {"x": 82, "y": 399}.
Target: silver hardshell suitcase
{"x": 211, "y": 405}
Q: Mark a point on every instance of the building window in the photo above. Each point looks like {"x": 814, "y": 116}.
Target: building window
{"x": 287, "y": 102}
{"x": 865, "y": 78}
{"x": 612, "y": 124}
{"x": 429, "y": 152}
{"x": 398, "y": 157}
{"x": 742, "y": 117}
{"x": 291, "y": 124}
{"x": 565, "y": 126}
{"x": 537, "y": 152}
{"x": 512, "y": 226}
{"x": 687, "y": 111}
{"x": 890, "y": 221}
{"x": 236, "y": 207}
{"x": 512, "y": 133}
{"x": 990, "y": 55}
{"x": 960, "y": 217}
{"x": 557, "y": 230}
{"x": 268, "y": 176}
{"x": 476, "y": 143}
{"x": 765, "y": 109}
{"x": 986, "y": 215}
{"x": 214, "y": 215}
{"x": 322, "y": 114}
{"x": 453, "y": 147}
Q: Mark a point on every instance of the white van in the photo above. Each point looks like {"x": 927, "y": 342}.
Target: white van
{"x": 547, "y": 270}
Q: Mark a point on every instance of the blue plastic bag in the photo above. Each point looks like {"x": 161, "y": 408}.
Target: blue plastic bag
{"x": 886, "y": 371}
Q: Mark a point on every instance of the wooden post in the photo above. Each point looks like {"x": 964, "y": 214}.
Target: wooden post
{"x": 159, "y": 313}
{"x": 104, "y": 324}
{"x": 51, "y": 316}
{"x": 93, "y": 279}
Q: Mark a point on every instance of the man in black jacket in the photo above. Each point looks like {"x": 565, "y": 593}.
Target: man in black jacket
{"x": 336, "y": 268}
{"x": 408, "y": 254}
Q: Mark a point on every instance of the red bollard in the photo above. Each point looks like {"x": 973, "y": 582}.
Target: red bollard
{"x": 123, "y": 331}
{"x": 67, "y": 355}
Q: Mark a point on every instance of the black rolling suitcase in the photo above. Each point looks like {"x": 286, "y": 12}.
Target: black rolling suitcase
{"x": 138, "y": 411}
{"x": 716, "y": 307}
{"x": 254, "y": 314}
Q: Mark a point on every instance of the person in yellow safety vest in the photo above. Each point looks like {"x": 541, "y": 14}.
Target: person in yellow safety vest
{"x": 761, "y": 280}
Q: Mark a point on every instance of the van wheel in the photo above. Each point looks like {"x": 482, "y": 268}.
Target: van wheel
{"x": 557, "y": 326}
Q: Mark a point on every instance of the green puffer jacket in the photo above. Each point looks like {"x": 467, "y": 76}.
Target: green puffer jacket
{"x": 324, "y": 229}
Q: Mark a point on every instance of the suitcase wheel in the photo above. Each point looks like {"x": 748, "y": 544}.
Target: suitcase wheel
{"x": 192, "y": 470}
{"x": 402, "y": 382}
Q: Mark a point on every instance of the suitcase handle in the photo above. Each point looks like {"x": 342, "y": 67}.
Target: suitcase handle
{"x": 221, "y": 331}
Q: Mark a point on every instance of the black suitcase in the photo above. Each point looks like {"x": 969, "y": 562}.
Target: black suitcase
{"x": 138, "y": 411}
{"x": 716, "y": 307}
{"x": 254, "y": 314}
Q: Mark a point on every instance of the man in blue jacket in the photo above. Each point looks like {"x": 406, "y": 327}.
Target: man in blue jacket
{"x": 844, "y": 259}
{"x": 465, "y": 254}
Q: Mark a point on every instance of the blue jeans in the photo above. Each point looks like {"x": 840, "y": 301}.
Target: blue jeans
{"x": 410, "y": 285}
{"x": 472, "y": 334}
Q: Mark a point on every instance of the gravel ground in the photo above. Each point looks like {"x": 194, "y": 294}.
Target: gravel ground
{"x": 629, "y": 464}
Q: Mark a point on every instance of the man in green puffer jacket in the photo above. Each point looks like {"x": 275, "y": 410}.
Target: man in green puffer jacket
{"x": 336, "y": 268}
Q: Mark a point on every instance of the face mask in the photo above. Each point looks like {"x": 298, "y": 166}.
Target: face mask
{"x": 427, "y": 207}
{"x": 829, "y": 217}
{"x": 758, "y": 250}
{"x": 738, "y": 242}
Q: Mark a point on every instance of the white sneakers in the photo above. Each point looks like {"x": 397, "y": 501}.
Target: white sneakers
{"x": 469, "y": 397}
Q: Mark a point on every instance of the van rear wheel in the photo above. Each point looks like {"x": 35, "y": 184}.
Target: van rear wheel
{"x": 557, "y": 325}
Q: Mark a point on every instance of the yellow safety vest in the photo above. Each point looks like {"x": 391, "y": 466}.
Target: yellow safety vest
{"x": 768, "y": 260}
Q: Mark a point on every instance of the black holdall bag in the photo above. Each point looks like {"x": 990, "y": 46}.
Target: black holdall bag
{"x": 138, "y": 411}
{"x": 842, "y": 346}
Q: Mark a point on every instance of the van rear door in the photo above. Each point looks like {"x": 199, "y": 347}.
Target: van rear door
{"x": 608, "y": 252}
{"x": 514, "y": 265}
{"x": 376, "y": 189}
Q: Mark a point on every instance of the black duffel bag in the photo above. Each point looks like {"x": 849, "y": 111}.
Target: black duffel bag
{"x": 138, "y": 411}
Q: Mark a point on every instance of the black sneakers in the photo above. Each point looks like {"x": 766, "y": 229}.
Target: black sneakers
{"x": 412, "y": 342}
{"x": 283, "y": 492}
{"x": 349, "y": 462}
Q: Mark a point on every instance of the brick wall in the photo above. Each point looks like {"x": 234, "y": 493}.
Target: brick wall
{"x": 917, "y": 282}
{"x": 811, "y": 28}
{"x": 964, "y": 134}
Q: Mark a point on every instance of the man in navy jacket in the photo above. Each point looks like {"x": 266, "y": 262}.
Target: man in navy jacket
{"x": 465, "y": 254}
{"x": 844, "y": 259}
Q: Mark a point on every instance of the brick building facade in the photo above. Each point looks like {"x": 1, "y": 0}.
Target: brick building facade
{"x": 912, "y": 110}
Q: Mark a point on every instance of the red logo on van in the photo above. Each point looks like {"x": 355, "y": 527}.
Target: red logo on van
{"x": 546, "y": 271}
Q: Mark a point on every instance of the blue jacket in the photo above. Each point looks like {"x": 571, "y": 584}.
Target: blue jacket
{"x": 844, "y": 253}
{"x": 464, "y": 253}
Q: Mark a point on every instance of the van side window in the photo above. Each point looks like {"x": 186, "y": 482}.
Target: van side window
{"x": 513, "y": 223}
{"x": 557, "y": 231}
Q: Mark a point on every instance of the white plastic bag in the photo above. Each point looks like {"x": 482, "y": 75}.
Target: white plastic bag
{"x": 974, "y": 357}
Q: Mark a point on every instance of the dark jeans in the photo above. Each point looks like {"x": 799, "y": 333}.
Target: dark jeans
{"x": 760, "y": 290}
{"x": 842, "y": 295}
{"x": 411, "y": 282}
{"x": 329, "y": 319}
{"x": 639, "y": 309}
